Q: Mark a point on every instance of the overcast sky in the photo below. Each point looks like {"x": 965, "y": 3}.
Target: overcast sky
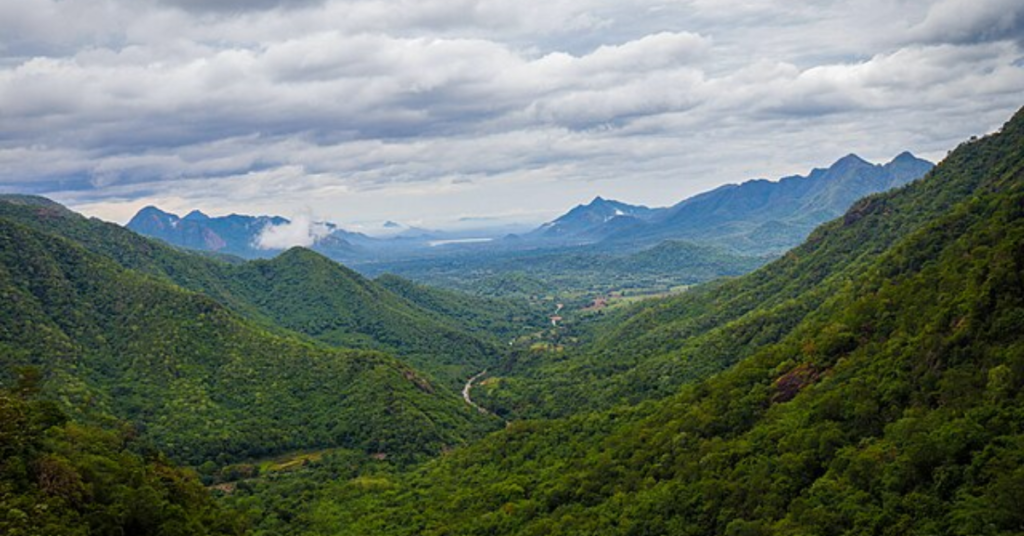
{"x": 428, "y": 111}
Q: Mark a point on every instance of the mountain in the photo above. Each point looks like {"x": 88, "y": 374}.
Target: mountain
{"x": 198, "y": 380}
{"x": 870, "y": 382}
{"x": 584, "y": 220}
{"x": 301, "y": 291}
{"x": 237, "y": 234}
{"x": 756, "y": 217}
{"x": 232, "y": 234}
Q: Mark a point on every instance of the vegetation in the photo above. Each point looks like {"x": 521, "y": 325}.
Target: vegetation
{"x": 62, "y": 478}
{"x": 870, "y": 381}
{"x": 648, "y": 351}
{"x": 891, "y": 403}
{"x": 574, "y": 272}
{"x": 447, "y": 335}
{"x": 195, "y": 378}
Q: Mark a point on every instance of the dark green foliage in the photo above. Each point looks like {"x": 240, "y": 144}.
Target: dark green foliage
{"x": 61, "y": 478}
{"x": 496, "y": 318}
{"x": 308, "y": 293}
{"x": 198, "y": 380}
{"x": 877, "y": 390}
{"x": 305, "y": 292}
{"x": 648, "y": 351}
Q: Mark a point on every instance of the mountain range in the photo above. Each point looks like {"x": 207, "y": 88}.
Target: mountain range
{"x": 868, "y": 381}
{"x": 237, "y": 234}
{"x": 755, "y": 217}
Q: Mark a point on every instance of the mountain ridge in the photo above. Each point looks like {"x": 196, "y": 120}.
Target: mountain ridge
{"x": 887, "y": 403}
{"x": 747, "y": 215}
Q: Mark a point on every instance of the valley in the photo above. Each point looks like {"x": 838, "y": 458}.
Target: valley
{"x": 483, "y": 268}
{"x": 311, "y": 399}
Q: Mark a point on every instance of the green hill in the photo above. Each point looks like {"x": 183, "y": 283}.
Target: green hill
{"x": 650, "y": 350}
{"x": 198, "y": 380}
{"x": 303, "y": 291}
{"x": 874, "y": 388}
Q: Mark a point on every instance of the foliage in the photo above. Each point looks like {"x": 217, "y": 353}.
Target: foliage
{"x": 650, "y": 350}
{"x": 567, "y": 272}
{"x": 198, "y": 380}
{"x": 301, "y": 291}
{"x": 891, "y": 403}
{"x": 61, "y": 478}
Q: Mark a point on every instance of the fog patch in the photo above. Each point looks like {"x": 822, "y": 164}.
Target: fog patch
{"x": 301, "y": 231}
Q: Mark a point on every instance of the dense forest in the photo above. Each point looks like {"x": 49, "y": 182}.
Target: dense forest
{"x": 441, "y": 333}
{"x": 58, "y": 477}
{"x": 874, "y": 388}
{"x": 866, "y": 382}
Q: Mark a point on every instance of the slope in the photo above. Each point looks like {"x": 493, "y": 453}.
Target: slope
{"x": 298, "y": 290}
{"x": 648, "y": 351}
{"x": 583, "y": 221}
{"x": 60, "y": 478}
{"x": 761, "y": 216}
{"x": 309, "y": 293}
{"x": 894, "y": 406}
{"x": 198, "y": 380}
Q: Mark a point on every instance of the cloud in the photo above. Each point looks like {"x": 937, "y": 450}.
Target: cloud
{"x": 238, "y": 6}
{"x": 301, "y": 231}
{"x": 972, "y": 21}
{"x": 274, "y": 106}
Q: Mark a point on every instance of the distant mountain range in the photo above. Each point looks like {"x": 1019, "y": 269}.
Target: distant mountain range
{"x": 758, "y": 216}
{"x": 754, "y": 219}
{"x": 238, "y": 234}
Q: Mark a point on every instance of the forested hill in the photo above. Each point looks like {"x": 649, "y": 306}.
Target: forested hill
{"x": 61, "y": 478}
{"x": 649, "y": 350}
{"x": 198, "y": 380}
{"x": 306, "y": 292}
{"x": 893, "y": 405}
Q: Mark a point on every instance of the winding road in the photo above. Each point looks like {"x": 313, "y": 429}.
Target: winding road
{"x": 469, "y": 387}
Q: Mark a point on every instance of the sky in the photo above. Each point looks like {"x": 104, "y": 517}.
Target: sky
{"x": 447, "y": 113}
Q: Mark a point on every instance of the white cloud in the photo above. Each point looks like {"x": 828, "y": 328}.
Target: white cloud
{"x": 336, "y": 104}
{"x": 301, "y": 231}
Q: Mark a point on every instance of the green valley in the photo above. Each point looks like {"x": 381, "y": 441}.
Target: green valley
{"x": 872, "y": 384}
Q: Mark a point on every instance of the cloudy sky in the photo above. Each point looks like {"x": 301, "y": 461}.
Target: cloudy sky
{"x": 431, "y": 111}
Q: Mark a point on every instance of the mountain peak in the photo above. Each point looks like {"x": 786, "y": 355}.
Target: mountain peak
{"x": 196, "y": 215}
{"x": 906, "y": 157}
{"x": 153, "y": 210}
{"x": 850, "y": 160}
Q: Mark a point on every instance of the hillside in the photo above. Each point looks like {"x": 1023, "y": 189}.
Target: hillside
{"x": 198, "y": 380}
{"x": 302, "y": 291}
{"x": 756, "y": 217}
{"x": 58, "y": 477}
{"x": 884, "y": 399}
{"x": 648, "y": 351}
